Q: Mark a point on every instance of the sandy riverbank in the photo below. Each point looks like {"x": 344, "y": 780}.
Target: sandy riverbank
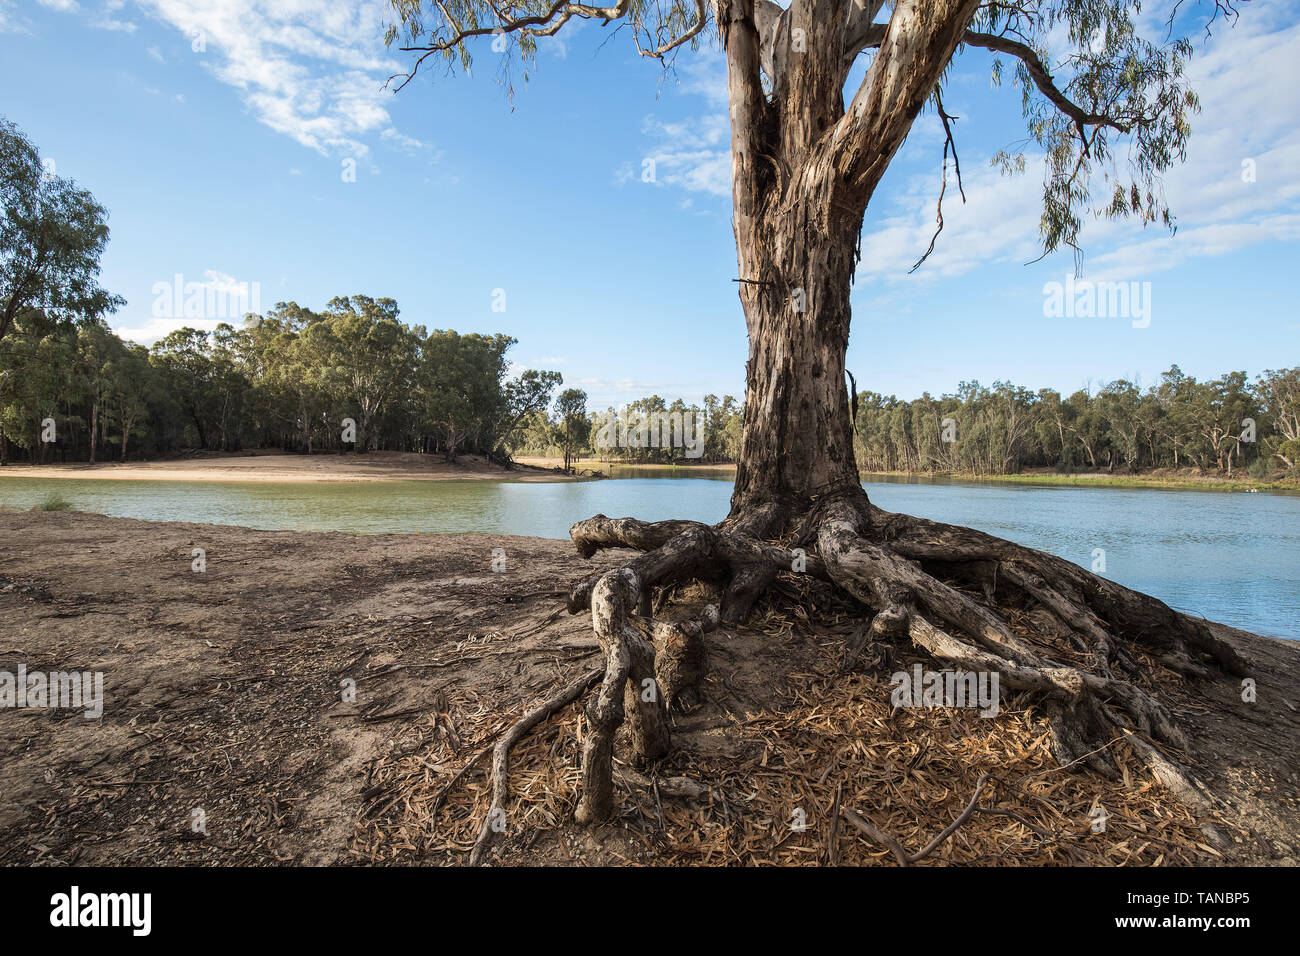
{"x": 275, "y": 466}
{"x": 225, "y": 695}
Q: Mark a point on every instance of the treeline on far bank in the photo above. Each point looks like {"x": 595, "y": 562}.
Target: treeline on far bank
{"x": 354, "y": 377}
{"x": 1225, "y": 425}
{"x": 350, "y": 377}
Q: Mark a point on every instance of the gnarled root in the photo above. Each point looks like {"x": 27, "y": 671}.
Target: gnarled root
{"x": 642, "y": 679}
{"x": 915, "y": 579}
{"x": 494, "y": 822}
{"x": 955, "y": 629}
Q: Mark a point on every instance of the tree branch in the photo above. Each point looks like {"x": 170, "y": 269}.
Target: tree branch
{"x": 1041, "y": 77}
{"x": 547, "y": 23}
{"x": 917, "y": 45}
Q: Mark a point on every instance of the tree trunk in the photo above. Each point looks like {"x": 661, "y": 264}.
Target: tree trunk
{"x": 94, "y": 434}
{"x": 797, "y": 442}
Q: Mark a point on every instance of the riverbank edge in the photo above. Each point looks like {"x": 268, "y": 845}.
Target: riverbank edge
{"x": 290, "y": 469}
{"x": 1085, "y": 479}
{"x": 373, "y": 468}
{"x": 1098, "y": 481}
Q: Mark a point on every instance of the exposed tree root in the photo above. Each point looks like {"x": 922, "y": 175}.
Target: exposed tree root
{"x": 493, "y": 823}
{"x": 901, "y": 855}
{"x": 914, "y": 580}
{"x": 912, "y": 576}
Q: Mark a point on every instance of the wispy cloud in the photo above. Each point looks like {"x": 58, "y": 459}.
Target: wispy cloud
{"x": 10, "y": 21}
{"x": 313, "y": 70}
{"x": 689, "y": 154}
{"x": 1244, "y": 130}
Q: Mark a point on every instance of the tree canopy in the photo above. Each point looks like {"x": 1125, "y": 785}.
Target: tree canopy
{"x": 52, "y": 234}
{"x": 1103, "y": 93}
{"x": 288, "y": 379}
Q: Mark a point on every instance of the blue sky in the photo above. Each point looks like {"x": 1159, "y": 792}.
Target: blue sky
{"x": 226, "y": 163}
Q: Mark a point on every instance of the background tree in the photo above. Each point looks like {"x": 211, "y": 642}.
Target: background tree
{"x": 132, "y": 385}
{"x": 97, "y": 347}
{"x": 527, "y": 393}
{"x": 1279, "y": 391}
{"x": 572, "y": 428}
{"x": 461, "y": 377}
{"x": 365, "y": 359}
{"x": 52, "y": 235}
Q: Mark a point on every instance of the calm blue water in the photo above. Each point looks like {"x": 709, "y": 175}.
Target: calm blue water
{"x": 1232, "y": 557}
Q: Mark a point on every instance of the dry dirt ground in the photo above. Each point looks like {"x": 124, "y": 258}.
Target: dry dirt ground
{"x": 225, "y": 705}
{"x": 275, "y": 465}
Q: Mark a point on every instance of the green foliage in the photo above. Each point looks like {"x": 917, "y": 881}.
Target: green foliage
{"x": 572, "y": 428}
{"x": 52, "y": 234}
{"x": 1132, "y": 110}
{"x": 1103, "y": 91}
{"x": 998, "y": 431}
{"x": 288, "y": 379}
{"x": 55, "y": 502}
{"x": 572, "y": 431}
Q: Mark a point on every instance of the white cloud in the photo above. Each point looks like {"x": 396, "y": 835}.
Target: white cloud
{"x": 409, "y": 144}
{"x": 1242, "y": 117}
{"x": 998, "y": 222}
{"x": 313, "y": 70}
{"x": 692, "y": 155}
{"x": 11, "y": 22}
{"x": 177, "y": 301}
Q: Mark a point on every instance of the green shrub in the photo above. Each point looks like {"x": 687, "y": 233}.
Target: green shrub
{"x": 1261, "y": 469}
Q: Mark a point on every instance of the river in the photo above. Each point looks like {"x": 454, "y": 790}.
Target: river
{"x": 1231, "y": 557}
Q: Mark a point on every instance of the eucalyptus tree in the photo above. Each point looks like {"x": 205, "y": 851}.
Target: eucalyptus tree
{"x": 1104, "y": 104}
{"x": 366, "y": 359}
{"x": 1279, "y": 392}
{"x": 460, "y": 384}
{"x": 1117, "y": 407}
{"x": 52, "y": 234}
{"x": 528, "y": 392}
{"x": 96, "y": 347}
{"x": 288, "y": 372}
{"x": 572, "y": 427}
{"x": 133, "y": 384}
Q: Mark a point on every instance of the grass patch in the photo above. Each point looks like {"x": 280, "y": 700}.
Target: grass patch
{"x": 55, "y": 502}
{"x": 1102, "y": 480}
